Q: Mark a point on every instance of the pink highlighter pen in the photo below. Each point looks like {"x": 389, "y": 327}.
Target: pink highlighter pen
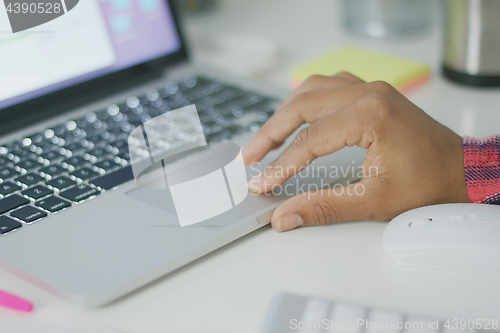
{"x": 13, "y": 302}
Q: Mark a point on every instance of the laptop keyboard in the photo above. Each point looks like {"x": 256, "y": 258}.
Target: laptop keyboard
{"x": 45, "y": 173}
{"x": 301, "y": 314}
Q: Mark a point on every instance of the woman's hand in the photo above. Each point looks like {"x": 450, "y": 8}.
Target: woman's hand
{"x": 419, "y": 162}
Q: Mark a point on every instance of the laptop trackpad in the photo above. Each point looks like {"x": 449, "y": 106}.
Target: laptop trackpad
{"x": 162, "y": 200}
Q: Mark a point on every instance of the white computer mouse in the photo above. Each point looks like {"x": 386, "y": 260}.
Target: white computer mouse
{"x": 454, "y": 236}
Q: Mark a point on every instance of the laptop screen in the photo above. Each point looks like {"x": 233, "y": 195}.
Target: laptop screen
{"x": 95, "y": 38}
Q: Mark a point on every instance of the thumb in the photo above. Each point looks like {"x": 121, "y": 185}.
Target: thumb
{"x": 335, "y": 204}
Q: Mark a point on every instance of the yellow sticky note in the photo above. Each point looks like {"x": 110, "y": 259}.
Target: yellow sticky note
{"x": 403, "y": 74}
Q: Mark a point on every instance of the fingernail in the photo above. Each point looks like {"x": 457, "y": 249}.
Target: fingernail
{"x": 240, "y": 158}
{"x": 244, "y": 149}
{"x": 254, "y": 183}
{"x": 245, "y": 153}
{"x": 288, "y": 222}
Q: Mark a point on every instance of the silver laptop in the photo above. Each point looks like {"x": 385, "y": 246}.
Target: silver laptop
{"x": 73, "y": 220}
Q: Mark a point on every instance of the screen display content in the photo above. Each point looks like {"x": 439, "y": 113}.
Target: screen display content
{"x": 95, "y": 38}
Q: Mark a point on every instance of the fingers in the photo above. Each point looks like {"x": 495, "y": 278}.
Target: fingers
{"x": 313, "y": 83}
{"x": 305, "y": 108}
{"x": 316, "y": 82}
{"x": 337, "y": 204}
{"x": 349, "y": 77}
{"x": 348, "y": 127}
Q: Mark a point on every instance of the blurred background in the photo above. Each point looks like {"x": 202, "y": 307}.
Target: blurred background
{"x": 282, "y": 34}
{"x": 269, "y": 39}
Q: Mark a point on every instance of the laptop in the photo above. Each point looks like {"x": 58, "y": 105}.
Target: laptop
{"x": 72, "y": 218}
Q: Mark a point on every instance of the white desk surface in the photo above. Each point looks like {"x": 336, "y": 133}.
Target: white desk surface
{"x": 230, "y": 289}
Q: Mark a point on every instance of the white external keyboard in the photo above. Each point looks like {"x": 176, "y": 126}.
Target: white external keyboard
{"x": 294, "y": 313}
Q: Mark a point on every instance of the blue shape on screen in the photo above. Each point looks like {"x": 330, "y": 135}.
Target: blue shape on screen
{"x": 121, "y": 24}
{"x": 122, "y": 4}
{"x": 149, "y": 5}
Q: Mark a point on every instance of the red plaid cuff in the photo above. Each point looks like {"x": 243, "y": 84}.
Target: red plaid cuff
{"x": 482, "y": 169}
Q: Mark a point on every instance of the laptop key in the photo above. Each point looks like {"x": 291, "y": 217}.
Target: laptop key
{"x": 74, "y": 147}
{"x": 6, "y": 173}
{"x": 101, "y": 115}
{"x": 75, "y": 161}
{"x": 37, "y": 192}
{"x": 11, "y": 147}
{"x": 92, "y": 136}
{"x": 121, "y": 132}
{"x": 11, "y": 202}
{"x": 79, "y": 193}
{"x": 52, "y": 170}
{"x": 29, "y": 164}
{"x": 8, "y": 188}
{"x": 81, "y": 122}
{"x": 106, "y": 165}
{"x": 125, "y": 156}
{"x": 59, "y": 129}
{"x": 69, "y": 137}
{"x": 53, "y": 204}
{"x": 29, "y": 179}
{"x": 112, "y": 123}
{"x": 34, "y": 138}
{"x": 95, "y": 154}
{"x": 114, "y": 179}
{"x": 7, "y": 224}
{"x": 84, "y": 173}
{"x": 61, "y": 182}
{"x": 99, "y": 138}
{"x": 44, "y": 146}
{"x": 28, "y": 214}
{"x": 21, "y": 154}
{"x": 51, "y": 156}
{"x": 119, "y": 145}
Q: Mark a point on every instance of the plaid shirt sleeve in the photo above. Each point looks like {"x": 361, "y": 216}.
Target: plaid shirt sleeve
{"x": 482, "y": 169}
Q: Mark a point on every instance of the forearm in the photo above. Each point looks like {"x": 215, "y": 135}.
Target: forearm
{"x": 482, "y": 169}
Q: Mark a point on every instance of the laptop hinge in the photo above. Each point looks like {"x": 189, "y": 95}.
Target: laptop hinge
{"x": 11, "y": 121}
